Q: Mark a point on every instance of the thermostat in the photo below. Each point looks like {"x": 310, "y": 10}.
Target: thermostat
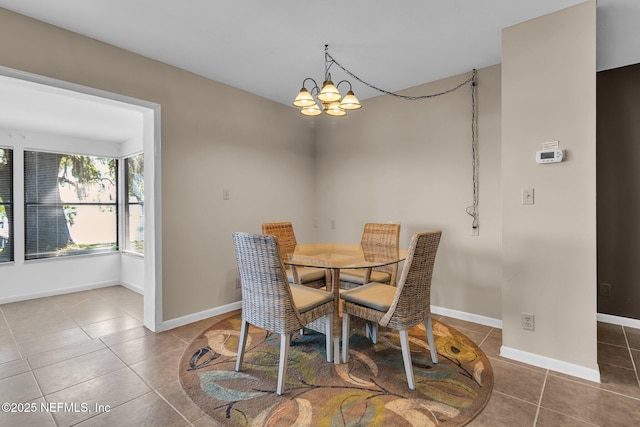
{"x": 549, "y": 156}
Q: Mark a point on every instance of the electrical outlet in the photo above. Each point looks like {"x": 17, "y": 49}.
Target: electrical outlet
{"x": 528, "y": 321}
{"x": 604, "y": 289}
{"x": 238, "y": 283}
{"x": 475, "y": 231}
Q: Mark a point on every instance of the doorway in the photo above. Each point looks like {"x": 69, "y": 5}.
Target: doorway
{"x": 43, "y": 105}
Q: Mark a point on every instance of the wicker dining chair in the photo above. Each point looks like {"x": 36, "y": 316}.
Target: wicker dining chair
{"x": 269, "y": 302}
{"x": 307, "y": 276}
{"x": 375, "y": 237}
{"x": 400, "y": 307}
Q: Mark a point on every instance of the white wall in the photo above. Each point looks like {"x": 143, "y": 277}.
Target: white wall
{"x": 549, "y": 248}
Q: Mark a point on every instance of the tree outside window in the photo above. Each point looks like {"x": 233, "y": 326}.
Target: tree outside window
{"x": 71, "y": 205}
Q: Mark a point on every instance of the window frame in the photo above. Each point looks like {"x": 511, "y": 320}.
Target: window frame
{"x": 127, "y": 246}
{"x": 10, "y": 203}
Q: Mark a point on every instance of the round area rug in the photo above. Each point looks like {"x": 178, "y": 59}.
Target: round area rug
{"x": 371, "y": 390}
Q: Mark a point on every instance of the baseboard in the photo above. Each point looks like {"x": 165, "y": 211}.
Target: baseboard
{"x": 552, "y": 364}
{"x": 190, "y": 318}
{"x": 132, "y": 287}
{"x": 469, "y": 317}
{"x": 618, "y": 320}
{"x": 57, "y": 291}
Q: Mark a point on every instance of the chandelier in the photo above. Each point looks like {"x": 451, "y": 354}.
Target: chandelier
{"x": 329, "y": 97}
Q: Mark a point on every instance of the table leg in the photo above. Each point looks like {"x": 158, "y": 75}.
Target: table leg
{"x": 337, "y": 320}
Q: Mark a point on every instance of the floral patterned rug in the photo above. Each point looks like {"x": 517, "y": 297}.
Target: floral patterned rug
{"x": 371, "y": 390}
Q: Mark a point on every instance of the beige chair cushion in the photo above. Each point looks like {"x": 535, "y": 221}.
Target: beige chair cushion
{"x": 357, "y": 276}
{"x": 306, "y": 274}
{"x": 306, "y": 298}
{"x": 378, "y": 296}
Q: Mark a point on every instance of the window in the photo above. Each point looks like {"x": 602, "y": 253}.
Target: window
{"x": 6, "y": 205}
{"x": 71, "y": 205}
{"x": 134, "y": 204}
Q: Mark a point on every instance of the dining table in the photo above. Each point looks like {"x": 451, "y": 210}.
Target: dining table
{"x": 334, "y": 257}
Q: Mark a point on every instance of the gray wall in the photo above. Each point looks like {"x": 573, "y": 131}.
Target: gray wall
{"x": 618, "y": 166}
{"x": 410, "y": 162}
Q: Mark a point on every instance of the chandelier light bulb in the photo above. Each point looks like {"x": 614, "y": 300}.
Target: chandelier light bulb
{"x": 329, "y": 92}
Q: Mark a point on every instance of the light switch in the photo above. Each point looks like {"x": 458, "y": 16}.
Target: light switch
{"x": 527, "y": 196}
{"x": 225, "y": 194}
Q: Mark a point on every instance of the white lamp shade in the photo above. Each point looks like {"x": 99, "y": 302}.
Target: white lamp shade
{"x": 312, "y": 110}
{"x": 304, "y": 99}
{"x": 333, "y": 109}
{"x": 350, "y": 102}
{"x": 329, "y": 92}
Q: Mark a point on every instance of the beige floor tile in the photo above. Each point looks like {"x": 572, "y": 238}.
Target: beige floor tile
{"x": 147, "y": 410}
{"x": 611, "y": 334}
{"x": 94, "y": 311}
{"x": 4, "y": 326}
{"x": 27, "y": 308}
{"x": 176, "y": 396}
{"x": 9, "y": 352}
{"x": 111, "y": 326}
{"x": 37, "y": 418}
{"x": 547, "y": 418}
{"x": 148, "y": 346}
{"x": 19, "y": 388}
{"x": 124, "y": 336}
{"x": 505, "y": 411}
{"x": 614, "y": 355}
{"x": 39, "y": 324}
{"x": 620, "y": 380}
{"x": 636, "y": 359}
{"x": 71, "y": 300}
{"x": 159, "y": 370}
{"x": 106, "y": 391}
{"x": 464, "y": 326}
{"x": 115, "y": 291}
{"x": 590, "y": 403}
{"x": 517, "y": 381}
{"x": 6, "y": 337}
{"x": 12, "y": 368}
{"x": 59, "y": 354}
{"x": 74, "y": 371}
{"x": 52, "y": 341}
{"x": 633, "y": 336}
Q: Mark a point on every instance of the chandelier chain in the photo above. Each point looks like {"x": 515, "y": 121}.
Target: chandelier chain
{"x": 397, "y": 95}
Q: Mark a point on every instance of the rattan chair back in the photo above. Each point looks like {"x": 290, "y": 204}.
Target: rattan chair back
{"x": 285, "y": 235}
{"x": 382, "y": 238}
{"x": 412, "y": 301}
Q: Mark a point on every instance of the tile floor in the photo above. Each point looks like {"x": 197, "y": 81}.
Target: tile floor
{"x": 90, "y": 348}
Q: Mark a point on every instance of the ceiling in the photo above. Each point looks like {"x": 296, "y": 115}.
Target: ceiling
{"x": 26, "y": 105}
{"x": 268, "y": 47}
